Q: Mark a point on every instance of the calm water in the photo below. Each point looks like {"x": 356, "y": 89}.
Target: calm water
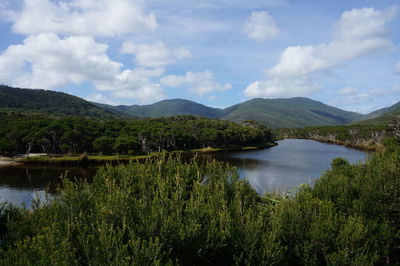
{"x": 291, "y": 163}
{"x": 284, "y": 167}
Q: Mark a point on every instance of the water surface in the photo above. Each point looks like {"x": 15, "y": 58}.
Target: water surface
{"x": 291, "y": 163}
{"x": 280, "y": 168}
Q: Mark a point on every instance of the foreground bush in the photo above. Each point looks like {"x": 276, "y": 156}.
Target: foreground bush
{"x": 169, "y": 212}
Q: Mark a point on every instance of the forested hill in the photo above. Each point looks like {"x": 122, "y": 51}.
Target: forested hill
{"x": 48, "y": 102}
{"x": 276, "y": 113}
{"x": 171, "y": 107}
{"x": 292, "y": 112}
{"x": 382, "y": 116}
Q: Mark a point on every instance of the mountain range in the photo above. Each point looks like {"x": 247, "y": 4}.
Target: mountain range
{"x": 291, "y": 112}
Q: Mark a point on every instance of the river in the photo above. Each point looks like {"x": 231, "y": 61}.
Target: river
{"x": 281, "y": 168}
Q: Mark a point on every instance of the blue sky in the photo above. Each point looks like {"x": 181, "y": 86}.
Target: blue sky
{"x": 216, "y": 52}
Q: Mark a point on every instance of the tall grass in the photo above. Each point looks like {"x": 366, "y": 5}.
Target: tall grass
{"x": 168, "y": 212}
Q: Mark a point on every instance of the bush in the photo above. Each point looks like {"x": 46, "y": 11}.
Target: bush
{"x": 164, "y": 211}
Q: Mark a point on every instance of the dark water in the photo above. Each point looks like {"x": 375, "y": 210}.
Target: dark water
{"x": 291, "y": 163}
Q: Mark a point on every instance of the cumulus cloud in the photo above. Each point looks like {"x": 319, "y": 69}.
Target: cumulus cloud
{"x": 135, "y": 84}
{"x": 48, "y": 61}
{"x": 100, "y": 98}
{"x": 82, "y": 17}
{"x": 198, "y": 82}
{"x": 359, "y": 32}
{"x": 154, "y": 55}
{"x": 260, "y": 26}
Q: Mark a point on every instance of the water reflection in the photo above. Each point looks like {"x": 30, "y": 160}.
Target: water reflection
{"x": 20, "y": 184}
{"x": 286, "y": 166}
{"x": 281, "y": 168}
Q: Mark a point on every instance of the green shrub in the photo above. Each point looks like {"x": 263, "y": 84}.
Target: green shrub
{"x": 166, "y": 212}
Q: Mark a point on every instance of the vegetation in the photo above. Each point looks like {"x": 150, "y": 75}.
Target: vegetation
{"x": 384, "y": 119}
{"x": 293, "y": 112}
{"x": 165, "y": 212}
{"x": 48, "y": 103}
{"x": 166, "y": 108}
{"x": 368, "y": 137}
{"x": 24, "y": 134}
{"x": 383, "y": 111}
{"x": 276, "y": 113}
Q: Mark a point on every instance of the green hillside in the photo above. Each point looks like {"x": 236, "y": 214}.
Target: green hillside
{"x": 381, "y": 120}
{"x": 293, "y": 112}
{"x": 382, "y": 116}
{"x": 276, "y": 113}
{"x": 383, "y": 111}
{"x": 171, "y": 107}
{"x": 47, "y": 102}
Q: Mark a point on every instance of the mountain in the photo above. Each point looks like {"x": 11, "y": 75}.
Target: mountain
{"x": 292, "y": 112}
{"x": 382, "y": 116}
{"x": 48, "y": 102}
{"x": 170, "y": 107}
{"x": 383, "y": 111}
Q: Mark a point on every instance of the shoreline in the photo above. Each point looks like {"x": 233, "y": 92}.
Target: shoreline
{"x": 361, "y": 147}
{"x": 8, "y": 161}
{"x": 103, "y": 159}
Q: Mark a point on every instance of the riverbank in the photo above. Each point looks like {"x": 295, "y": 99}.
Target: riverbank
{"x": 7, "y": 161}
{"x": 103, "y": 159}
{"x": 363, "y": 146}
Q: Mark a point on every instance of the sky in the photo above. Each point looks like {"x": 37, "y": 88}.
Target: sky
{"x": 344, "y": 53}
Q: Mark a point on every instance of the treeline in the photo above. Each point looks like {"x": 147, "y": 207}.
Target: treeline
{"x": 166, "y": 212}
{"x": 24, "y": 134}
{"x": 359, "y": 136}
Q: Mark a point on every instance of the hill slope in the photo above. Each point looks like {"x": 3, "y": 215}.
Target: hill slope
{"x": 47, "y": 102}
{"x": 293, "y": 112}
{"x": 382, "y": 116}
{"x": 170, "y": 107}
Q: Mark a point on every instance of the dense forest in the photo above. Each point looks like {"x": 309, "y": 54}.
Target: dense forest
{"x": 167, "y": 212}
{"x": 24, "y": 134}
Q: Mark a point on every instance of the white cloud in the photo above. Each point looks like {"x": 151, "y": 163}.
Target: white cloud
{"x": 260, "y": 26}
{"x": 348, "y": 90}
{"x": 198, "y": 82}
{"x": 46, "y": 61}
{"x": 135, "y": 84}
{"x": 147, "y": 93}
{"x": 278, "y": 87}
{"x": 154, "y": 55}
{"x": 83, "y": 17}
{"x": 359, "y": 32}
{"x": 100, "y": 98}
